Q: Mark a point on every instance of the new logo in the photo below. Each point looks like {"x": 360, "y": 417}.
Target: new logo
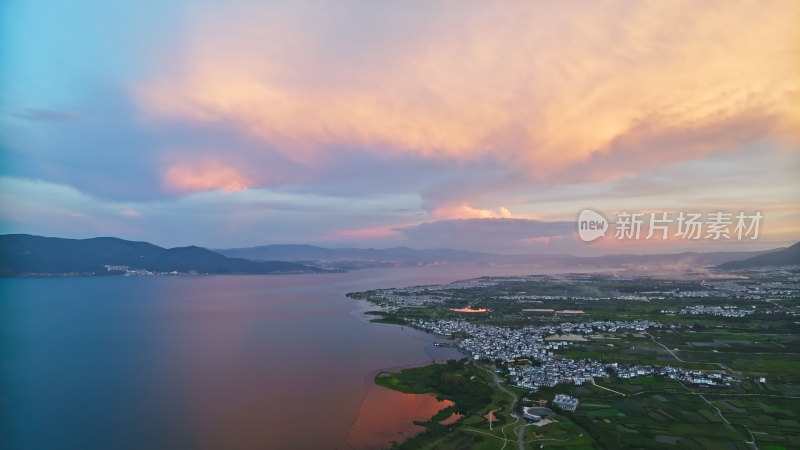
{"x": 591, "y": 225}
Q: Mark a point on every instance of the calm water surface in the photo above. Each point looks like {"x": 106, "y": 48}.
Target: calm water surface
{"x": 198, "y": 362}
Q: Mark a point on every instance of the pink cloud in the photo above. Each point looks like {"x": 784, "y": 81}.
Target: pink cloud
{"x": 464, "y": 211}
{"x": 206, "y": 177}
{"x": 554, "y": 96}
{"x": 553, "y": 88}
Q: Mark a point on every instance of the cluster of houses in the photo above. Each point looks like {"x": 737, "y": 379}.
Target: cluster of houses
{"x": 757, "y": 289}
{"x": 553, "y": 371}
{"x": 702, "y": 294}
{"x": 494, "y": 342}
{"x": 538, "y": 298}
{"x": 731, "y": 289}
{"x": 128, "y": 272}
{"x": 533, "y": 343}
{"x": 566, "y": 402}
{"x": 722, "y": 311}
{"x": 431, "y": 294}
{"x": 508, "y": 343}
{"x": 410, "y": 298}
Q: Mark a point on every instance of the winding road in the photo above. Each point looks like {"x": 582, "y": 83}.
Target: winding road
{"x": 521, "y": 432}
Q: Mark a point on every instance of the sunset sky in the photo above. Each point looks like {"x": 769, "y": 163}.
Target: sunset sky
{"x": 465, "y": 124}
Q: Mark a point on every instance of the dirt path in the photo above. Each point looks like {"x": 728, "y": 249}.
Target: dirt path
{"x": 521, "y": 432}
{"x": 608, "y": 389}
{"x": 665, "y": 347}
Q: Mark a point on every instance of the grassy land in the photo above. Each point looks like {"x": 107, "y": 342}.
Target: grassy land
{"x": 600, "y": 297}
{"x": 653, "y": 412}
{"x": 644, "y": 412}
{"x": 473, "y": 393}
{"x": 463, "y": 384}
{"x": 660, "y": 412}
{"x": 747, "y": 355}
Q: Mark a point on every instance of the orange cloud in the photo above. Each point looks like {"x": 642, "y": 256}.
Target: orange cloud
{"x": 186, "y": 178}
{"x": 465, "y": 211}
{"x": 540, "y": 86}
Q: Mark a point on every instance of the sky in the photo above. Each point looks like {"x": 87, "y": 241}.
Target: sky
{"x": 462, "y": 124}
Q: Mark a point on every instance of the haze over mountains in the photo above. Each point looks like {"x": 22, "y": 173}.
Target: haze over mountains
{"x": 22, "y": 255}
{"x": 351, "y": 258}
{"x": 345, "y": 258}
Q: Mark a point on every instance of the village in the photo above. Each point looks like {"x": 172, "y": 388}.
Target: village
{"x": 532, "y": 347}
{"x": 722, "y": 311}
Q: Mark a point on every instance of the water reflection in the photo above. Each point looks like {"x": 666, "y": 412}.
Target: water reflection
{"x": 454, "y": 417}
{"x": 386, "y": 415}
{"x": 203, "y": 362}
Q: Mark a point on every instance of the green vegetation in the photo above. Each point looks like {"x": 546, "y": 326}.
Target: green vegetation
{"x": 659, "y": 412}
{"x": 602, "y": 297}
{"x": 652, "y": 412}
{"x": 742, "y": 354}
{"x": 471, "y": 388}
{"x": 640, "y": 412}
{"x": 465, "y": 385}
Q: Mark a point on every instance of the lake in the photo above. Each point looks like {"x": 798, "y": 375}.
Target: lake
{"x": 281, "y": 361}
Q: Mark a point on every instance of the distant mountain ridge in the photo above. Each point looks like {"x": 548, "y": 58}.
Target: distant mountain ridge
{"x": 352, "y": 258}
{"x": 23, "y": 254}
{"x": 782, "y": 257}
{"x": 388, "y": 256}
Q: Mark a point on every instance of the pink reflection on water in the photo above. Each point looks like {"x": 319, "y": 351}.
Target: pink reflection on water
{"x": 386, "y": 415}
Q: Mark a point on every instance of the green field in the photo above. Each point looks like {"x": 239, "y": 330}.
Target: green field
{"x": 652, "y": 413}
{"x": 640, "y": 412}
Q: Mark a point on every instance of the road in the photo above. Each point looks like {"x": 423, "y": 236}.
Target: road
{"x": 603, "y": 387}
{"x": 665, "y": 347}
{"x": 520, "y": 419}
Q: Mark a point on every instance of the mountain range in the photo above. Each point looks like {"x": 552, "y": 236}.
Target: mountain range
{"x": 784, "y": 257}
{"x": 22, "y": 254}
{"x": 27, "y": 255}
{"x": 352, "y": 258}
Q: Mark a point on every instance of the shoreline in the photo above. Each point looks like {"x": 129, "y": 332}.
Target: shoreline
{"x": 370, "y": 384}
{"x": 369, "y": 379}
